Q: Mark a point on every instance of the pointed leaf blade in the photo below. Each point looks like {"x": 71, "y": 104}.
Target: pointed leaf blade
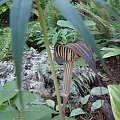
{"x": 114, "y": 91}
{"x": 19, "y": 16}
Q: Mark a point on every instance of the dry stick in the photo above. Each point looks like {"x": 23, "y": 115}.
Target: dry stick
{"x": 67, "y": 79}
{"x": 43, "y": 25}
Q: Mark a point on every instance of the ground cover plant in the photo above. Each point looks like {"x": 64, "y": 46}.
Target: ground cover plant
{"x": 86, "y": 96}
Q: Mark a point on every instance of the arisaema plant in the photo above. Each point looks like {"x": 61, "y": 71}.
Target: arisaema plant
{"x": 67, "y": 55}
{"x": 19, "y": 17}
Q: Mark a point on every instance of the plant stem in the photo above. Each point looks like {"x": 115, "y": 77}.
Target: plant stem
{"x": 43, "y": 25}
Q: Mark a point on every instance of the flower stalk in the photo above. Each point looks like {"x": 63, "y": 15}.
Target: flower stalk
{"x": 43, "y": 26}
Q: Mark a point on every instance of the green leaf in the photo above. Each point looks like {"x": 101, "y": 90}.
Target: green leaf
{"x": 40, "y": 112}
{"x": 97, "y": 104}
{"x": 1, "y": 87}
{"x": 66, "y": 118}
{"x": 63, "y": 23}
{"x": 114, "y": 91}
{"x": 12, "y": 85}
{"x": 99, "y": 91}
{"x": 50, "y": 103}
{"x": 6, "y": 94}
{"x": 19, "y": 16}
{"x": 69, "y": 12}
{"x": 8, "y": 113}
{"x": 27, "y": 98}
{"x": 77, "y": 111}
{"x": 111, "y": 52}
{"x": 64, "y": 32}
{"x": 84, "y": 100}
{"x": 89, "y": 23}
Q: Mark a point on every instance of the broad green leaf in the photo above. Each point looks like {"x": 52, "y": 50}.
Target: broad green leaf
{"x": 99, "y": 91}
{"x": 6, "y": 94}
{"x": 38, "y": 112}
{"x": 64, "y": 23}
{"x": 84, "y": 100}
{"x": 111, "y": 52}
{"x": 77, "y": 111}
{"x": 8, "y": 113}
{"x": 114, "y": 91}
{"x": 66, "y": 118}
{"x": 50, "y": 103}
{"x": 97, "y": 104}
{"x": 69, "y": 12}
{"x": 12, "y": 85}
{"x": 19, "y": 16}
{"x": 27, "y": 98}
{"x": 8, "y": 91}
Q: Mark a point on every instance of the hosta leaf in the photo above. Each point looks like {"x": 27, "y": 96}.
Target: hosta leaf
{"x": 19, "y": 16}
{"x": 114, "y": 91}
{"x": 77, "y": 111}
{"x": 69, "y": 12}
{"x": 97, "y": 104}
{"x": 99, "y": 91}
